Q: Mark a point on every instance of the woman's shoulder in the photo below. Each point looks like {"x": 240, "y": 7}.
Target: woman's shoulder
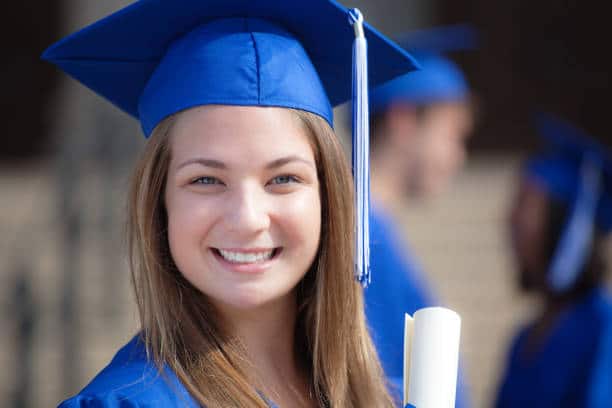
{"x": 132, "y": 380}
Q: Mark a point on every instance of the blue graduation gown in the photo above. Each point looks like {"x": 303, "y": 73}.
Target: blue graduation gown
{"x": 398, "y": 286}
{"x": 130, "y": 381}
{"x": 572, "y": 366}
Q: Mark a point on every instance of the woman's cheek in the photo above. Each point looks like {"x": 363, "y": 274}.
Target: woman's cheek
{"x": 299, "y": 212}
{"x": 189, "y": 217}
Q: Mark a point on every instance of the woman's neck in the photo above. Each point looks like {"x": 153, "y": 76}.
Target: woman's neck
{"x": 268, "y": 337}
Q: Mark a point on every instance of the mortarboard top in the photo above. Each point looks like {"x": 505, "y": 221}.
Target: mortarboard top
{"x": 558, "y": 168}
{"x": 157, "y": 57}
{"x": 439, "y": 79}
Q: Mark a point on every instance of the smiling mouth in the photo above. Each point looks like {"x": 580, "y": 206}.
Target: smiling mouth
{"x": 237, "y": 257}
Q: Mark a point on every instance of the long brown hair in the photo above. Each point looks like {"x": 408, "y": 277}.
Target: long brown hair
{"x": 181, "y": 329}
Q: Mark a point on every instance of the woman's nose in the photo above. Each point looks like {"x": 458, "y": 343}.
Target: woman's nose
{"x": 247, "y": 210}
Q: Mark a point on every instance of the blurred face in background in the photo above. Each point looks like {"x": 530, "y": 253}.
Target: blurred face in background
{"x": 418, "y": 149}
{"x": 527, "y": 226}
{"x": 427, "y": 144}
{"x": 441, "y": 136}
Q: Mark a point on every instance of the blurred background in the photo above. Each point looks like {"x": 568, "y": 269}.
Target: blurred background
{"x": 67, "y": 155}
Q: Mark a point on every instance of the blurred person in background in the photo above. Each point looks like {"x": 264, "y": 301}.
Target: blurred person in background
{"x": 419, "y": 126}
{"x": 559, "y": 219}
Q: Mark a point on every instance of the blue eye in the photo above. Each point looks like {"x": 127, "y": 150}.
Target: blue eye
{"x": 206, "y": 181}
{"x": 284, "y": 179}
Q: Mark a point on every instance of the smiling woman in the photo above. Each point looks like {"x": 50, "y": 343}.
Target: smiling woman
{"x": 241, "y": 218}
{"x": 215, "y": 228}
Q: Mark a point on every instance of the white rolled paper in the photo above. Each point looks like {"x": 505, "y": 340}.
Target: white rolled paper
{"x": 430, "y": 371}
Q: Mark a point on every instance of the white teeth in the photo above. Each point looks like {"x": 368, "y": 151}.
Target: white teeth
{"x": 246, "y": 257}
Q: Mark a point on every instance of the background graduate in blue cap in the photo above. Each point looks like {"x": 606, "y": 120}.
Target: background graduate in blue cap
{"x": 559, "y": 219}
{"x": 240, "y": 214}
{"x": 419, "y": 125}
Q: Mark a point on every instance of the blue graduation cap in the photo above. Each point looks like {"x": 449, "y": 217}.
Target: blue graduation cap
{"x": 577, "y": 171}
{"x": 155, "y": 58}
{"x": 440, "y": 79}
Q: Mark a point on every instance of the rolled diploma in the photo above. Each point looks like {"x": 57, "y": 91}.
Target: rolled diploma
{"x": 431, "y": 358}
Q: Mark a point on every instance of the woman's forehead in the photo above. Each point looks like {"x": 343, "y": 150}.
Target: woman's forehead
{"x": 240, "y": 133}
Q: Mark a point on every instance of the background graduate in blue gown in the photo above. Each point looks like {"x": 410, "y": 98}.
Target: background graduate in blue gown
{"x": 419, "y": 125}
{"x": 241, "y": 224}
{"x": 560, "y": 217}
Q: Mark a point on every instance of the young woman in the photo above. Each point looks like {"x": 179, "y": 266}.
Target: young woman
{"x": 561, "y": 215}
{"x": 241, "y": 215}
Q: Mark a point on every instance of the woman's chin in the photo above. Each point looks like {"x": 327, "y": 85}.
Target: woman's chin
{"x": 251, "y": 298}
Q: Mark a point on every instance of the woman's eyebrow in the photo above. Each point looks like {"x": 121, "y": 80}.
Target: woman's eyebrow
{"x": 285, "y": 160}
{"x": 204, "y": 162}
{"x": 217, "y": 164}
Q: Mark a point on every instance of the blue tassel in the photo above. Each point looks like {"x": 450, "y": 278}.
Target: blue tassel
{"x": 577, "y": 237}
{"x": 361, "y": 150}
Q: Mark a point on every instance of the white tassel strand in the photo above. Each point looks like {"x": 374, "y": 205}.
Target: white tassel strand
{"x": 361, "y": 150}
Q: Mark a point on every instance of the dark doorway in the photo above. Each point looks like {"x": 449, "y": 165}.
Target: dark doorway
{"x": 549, "y": 55}
{"x": 27, "y": 82}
